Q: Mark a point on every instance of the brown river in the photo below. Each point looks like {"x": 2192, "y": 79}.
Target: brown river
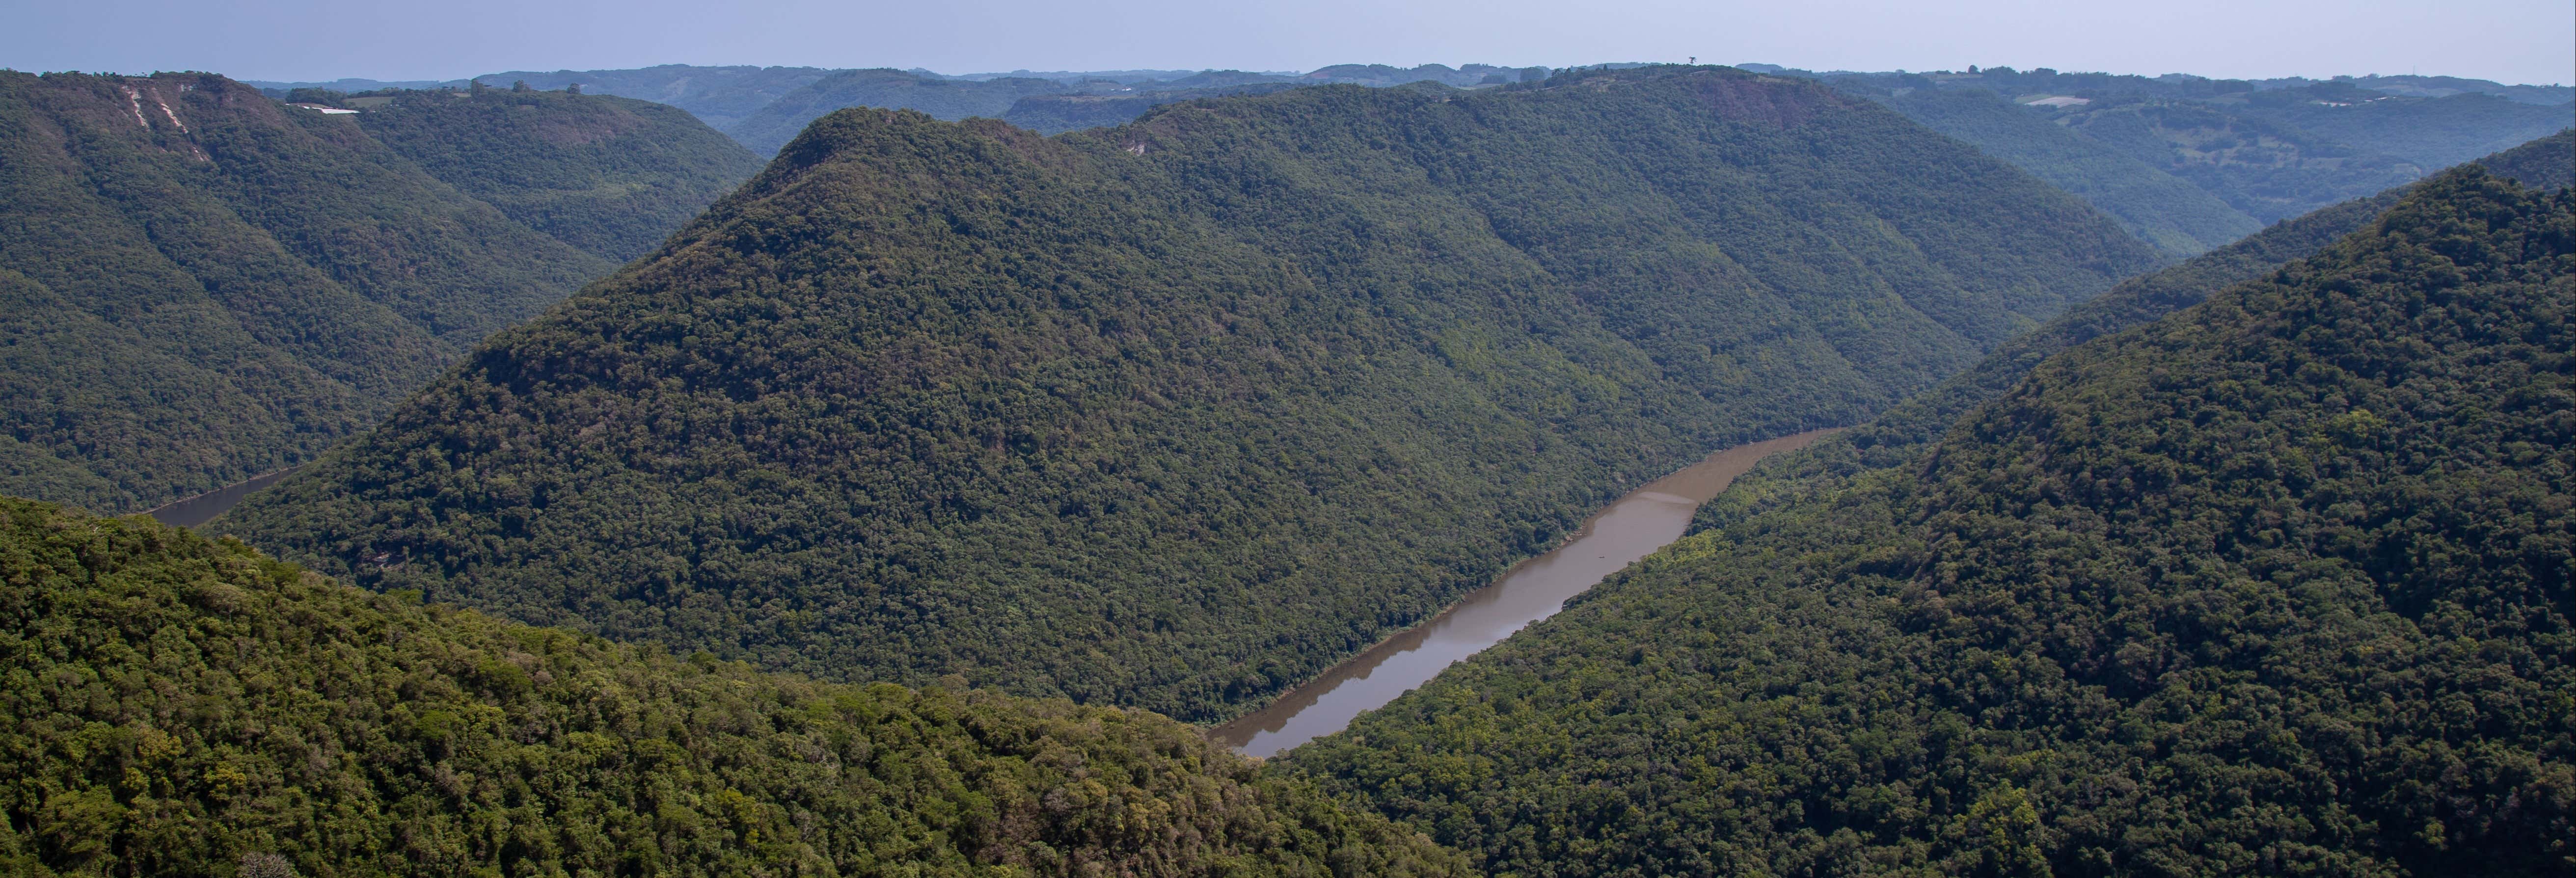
{"x": 1647, "y": 519}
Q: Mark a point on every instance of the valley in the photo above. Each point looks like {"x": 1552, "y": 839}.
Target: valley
{"x": 1178, "y": 414}
{"x": 1614, "y": 470}
{"x": 2017, "y": 640}
{"x": 1629, "y": 529}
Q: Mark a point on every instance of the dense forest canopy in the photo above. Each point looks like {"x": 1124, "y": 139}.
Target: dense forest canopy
{"x": 179, "y": 706}
{"x": 205, "y": 285}
{"x": 611, "y": 175}
{"x": 1175, "y": 414}
{"x": 2278, "y": 584}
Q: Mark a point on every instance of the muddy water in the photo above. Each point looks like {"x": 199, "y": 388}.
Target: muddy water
{"x": 1647, "y": 519}
{"x": 204, "y": 507}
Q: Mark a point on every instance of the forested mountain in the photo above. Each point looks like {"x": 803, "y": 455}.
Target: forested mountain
{"x": 2174, "y": 215}
{"x": 767, "y": 129}
{"x": 2278, "y": 584}
{"x": 1177, "y": 413}
{"x": 178, "y": 706}
{"x": 611, "y": 175}
{"x": 204, "y": 285}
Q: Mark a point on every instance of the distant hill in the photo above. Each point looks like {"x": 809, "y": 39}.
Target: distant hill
{"x": 187, "y": 707}
{"x": 2445, "y": 86}
{"x": 1177, "y": 413}
{"x": 1059, "y": 113}
{"x": 719, "y": 96}
{"x": 2267, "y": 170}
{"x": 2173, "y": 214}
{"x": 1058, "y": 102}
{"x": 772, "y": 126}
{"x": 2434, "y": 132}
{"x": 613, "y": 176}
{"x": 2212, "y": 595}
{"x": 205, "y": 285}
{"x": 2269, "y": 149}
{"x": 1380, "y": 75}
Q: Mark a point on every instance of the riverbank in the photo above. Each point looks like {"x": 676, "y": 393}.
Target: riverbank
{"x": 1630, "y": 528}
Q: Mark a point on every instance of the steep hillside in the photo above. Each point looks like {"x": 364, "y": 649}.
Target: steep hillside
{"x": 182, "y": 707}
{"x": 767, "y": 129}
{"x": 2177, "y": 217}
{"x": 2279, "y": 584}
{"x": 611, "y": 175}
{"x": 2548, "y": 163}
{"x": 1176, "y": 414}
{"x": 203, "y": 285}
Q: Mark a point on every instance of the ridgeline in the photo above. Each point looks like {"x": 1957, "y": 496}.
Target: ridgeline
{"x": 1175, "y": 414}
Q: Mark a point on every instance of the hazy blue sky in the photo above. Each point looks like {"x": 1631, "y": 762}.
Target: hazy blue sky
{"x": 2526, "y": 41}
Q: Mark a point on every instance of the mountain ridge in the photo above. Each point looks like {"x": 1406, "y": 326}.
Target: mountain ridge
{"x": 207, "y": 285}
{"x": 1124, "y": 402}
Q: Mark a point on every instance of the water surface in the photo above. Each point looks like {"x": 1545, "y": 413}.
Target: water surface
{"x": 1649, "y": 518}
{"x": 204, "y": 507}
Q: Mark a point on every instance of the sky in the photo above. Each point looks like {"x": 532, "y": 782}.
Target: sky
{"x": 2512, "y": 41}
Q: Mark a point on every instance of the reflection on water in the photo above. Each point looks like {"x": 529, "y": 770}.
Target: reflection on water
{"x": 1632, "y": 528}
